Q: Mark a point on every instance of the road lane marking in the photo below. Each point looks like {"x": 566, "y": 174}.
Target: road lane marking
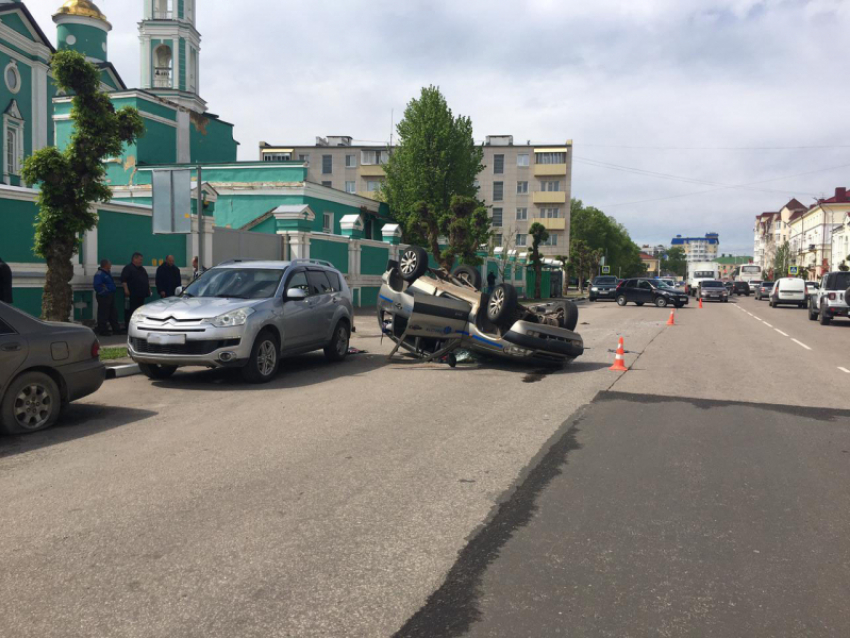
{"x": 759, "y": 318}
{"x": 844, "y": 369}
{"x": 780, "y": 332}
{"x": 767, "y": 324}
{"x": 801, "y": 344}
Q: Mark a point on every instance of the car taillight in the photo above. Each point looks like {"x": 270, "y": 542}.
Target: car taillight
{"x": 832, "y": 296}
{"x": 95, "y": 349}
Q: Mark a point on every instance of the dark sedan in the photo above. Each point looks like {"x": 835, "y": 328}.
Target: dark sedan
{"x": 740, "y": 288}
{"x": 604, "y": 287}
{"x": 642, "y": 291}
{"x": 764, "y": 290}
{"x": 43, "y": 366}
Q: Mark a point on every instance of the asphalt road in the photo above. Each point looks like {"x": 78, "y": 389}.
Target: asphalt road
{"x": 343, "y": 500}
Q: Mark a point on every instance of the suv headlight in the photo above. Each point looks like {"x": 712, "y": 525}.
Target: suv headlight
{"x": 137, "y": 318}
{"x": 232, "y": 318}
{"x": 594, "y": 289}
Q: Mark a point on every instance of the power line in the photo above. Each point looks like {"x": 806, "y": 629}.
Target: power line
{"x": 715, "y": 148}
{"x": 714, "y": 190}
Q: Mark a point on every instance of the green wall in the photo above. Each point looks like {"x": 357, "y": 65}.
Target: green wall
{"x": 158, "y": 145}
{"x": 369, "y": 296}
{"x": 332, "y": 251}
{"x": 15, "y": 23}
{"x": 17, "y": 236}
{"x": 373, "y": 260}
{"x": 211, "y": 140}
{"x": 28, "y": 300}
{"x": 90, "y": 40}
{"x": 120, "y": 235}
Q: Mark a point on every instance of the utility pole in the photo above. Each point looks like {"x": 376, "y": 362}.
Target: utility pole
{"x": 200, "y": 221}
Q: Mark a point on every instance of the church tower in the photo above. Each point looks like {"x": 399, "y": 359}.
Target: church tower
{"x": 80, "y": 26}
{"x": 171, "y": 48}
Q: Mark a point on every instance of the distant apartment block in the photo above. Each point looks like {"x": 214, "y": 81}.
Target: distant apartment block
{"x": 521, "y": 184}
{"x": 698, "y": 248}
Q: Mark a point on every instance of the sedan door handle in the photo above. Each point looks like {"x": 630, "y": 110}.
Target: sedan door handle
{"x": 11, "y": 347}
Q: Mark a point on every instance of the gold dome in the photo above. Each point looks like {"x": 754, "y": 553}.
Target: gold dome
{"x": 84, "y": 8}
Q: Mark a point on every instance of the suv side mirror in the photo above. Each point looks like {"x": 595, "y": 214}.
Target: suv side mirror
{"x": 178, "y": 291}
{"x": 295, "y": 294}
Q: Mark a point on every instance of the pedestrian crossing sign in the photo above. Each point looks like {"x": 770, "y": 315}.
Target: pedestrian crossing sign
{"x": 793, "y": 271}
{"x": 606, "y": 270}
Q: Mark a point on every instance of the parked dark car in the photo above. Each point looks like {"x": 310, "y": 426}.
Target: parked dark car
{"x": 764, "y": 290}
{"x": 604, "y": 287}
{"x": 740, "y": 288}
{"x": 642, "y": 291}
{"x": 43, "y": 367}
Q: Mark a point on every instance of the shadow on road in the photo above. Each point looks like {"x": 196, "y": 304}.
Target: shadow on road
{"x": 77, "y": 421}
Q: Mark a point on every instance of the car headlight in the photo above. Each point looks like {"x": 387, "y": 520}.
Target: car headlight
{"x": 233, "y": 318}
{"x": 594, "y": 289}
{"x": 137, "y": 318}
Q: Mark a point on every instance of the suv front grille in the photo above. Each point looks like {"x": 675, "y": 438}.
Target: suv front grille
{"x": 189, "y": 348}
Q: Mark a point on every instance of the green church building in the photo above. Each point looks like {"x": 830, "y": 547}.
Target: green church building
{"x": 246, "y": 198}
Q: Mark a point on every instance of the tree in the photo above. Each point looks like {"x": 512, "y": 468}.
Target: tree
{"x": 72, "y": 180}
{"x": 565, "y": 266}
{"x": 782, "y": 260}
{"x": 604, "y": 233}
{"x": 431, "y": 180}
{"x": 675, "y": 262}
{"x": 580, "y": 258}
{"x": 538, "y": 234}
{"x": 503, "y": 263}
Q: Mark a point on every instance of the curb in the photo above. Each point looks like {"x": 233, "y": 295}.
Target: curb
{"x": 119, "y": 372}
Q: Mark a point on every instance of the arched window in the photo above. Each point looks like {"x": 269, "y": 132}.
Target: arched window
{"x": 163, "y": 67}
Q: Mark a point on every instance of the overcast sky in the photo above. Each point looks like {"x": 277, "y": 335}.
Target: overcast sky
{"x": 662, "y": 86}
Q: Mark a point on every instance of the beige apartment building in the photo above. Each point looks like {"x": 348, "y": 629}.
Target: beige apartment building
{"x": 521, "y": 184}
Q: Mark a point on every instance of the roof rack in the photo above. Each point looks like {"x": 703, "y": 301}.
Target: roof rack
{"x": 318, "y": 262}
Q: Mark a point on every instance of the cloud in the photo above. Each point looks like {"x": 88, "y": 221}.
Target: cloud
{"x": 641, "y": 73}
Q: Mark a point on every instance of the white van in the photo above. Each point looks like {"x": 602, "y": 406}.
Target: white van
{"x": 788, "y": 290}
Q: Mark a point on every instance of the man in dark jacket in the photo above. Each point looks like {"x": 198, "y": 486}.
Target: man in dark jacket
{"x": 104, "y": 288}
{"x": 5, "y": 282}
{"x": 137, "y": 285}
{"x": 167, "y": 278}
{"x": 491, "y": 281}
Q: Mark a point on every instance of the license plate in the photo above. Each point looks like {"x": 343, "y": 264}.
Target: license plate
{"x": 167, "y": 340}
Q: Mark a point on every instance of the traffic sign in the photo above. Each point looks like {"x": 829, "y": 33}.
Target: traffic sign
{"x": 606, "y": 270}
{"x": 793, "y": 270}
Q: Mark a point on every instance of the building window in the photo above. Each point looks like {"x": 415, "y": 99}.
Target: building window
{"x": 277, "y": 157}
{"x": 350, "y": 161}
{"x": 498, "y": 191}
{"x": 12, "y": 77}
{"x": 498, "y": 240}
{"x": 550, "y": 158}
{"x": 373, "y": 185}
{"x": 13, "y": 142}
{"x": 350, "y": 187}
{"x": 521, "y": 188}
{"x": 328, "y": 223}
{"x": 477, "y": 185}
{"x": 497, "y": 217}
{"x": 328, "y": 184}
{"x": 327, "y": 164}
{"x": 522, "y": 159}
{"x": 521, "y": 239}
{"x": 550, "y": 213}
{"x": 498, "y": 164}
{"x": 304, "y": 157}
{"x": 374, "y": 158}
{"x": 551, "y": 186}
{"x": 521, "y": 214}
{"x": 552, "y": 241}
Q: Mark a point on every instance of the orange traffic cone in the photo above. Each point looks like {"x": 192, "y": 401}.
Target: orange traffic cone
{"x": 700, "y": 303}
{"x": 619, "y": 361}
{"x": 672, "y": 320}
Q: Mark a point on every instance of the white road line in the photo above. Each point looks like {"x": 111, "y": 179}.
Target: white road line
{"x": 780, "y": 332}
{"x": 751, "y": 314}
{"x": 801, "y": 344}
{"x": 767, "y": 324}
{"x": 759, "y": 318}
{"x": 844, "y": 369}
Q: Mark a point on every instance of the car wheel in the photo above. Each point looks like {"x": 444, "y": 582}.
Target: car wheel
{"x": 264, "y": 360}
{"x": 468, "y": 275}
{"x": 501, "y": 304}
{"x": 726, "y": 300}
{"x": 824, "y": 317}
{"x": 678, "y": 304}
{"x": 32, "y": 403}
{"x": 156, "y": 371}
{"x": 813, "y": 316}
{"x": 661, "y": 302}
{"x": 413, "y": 263}
{"x": 337, "y": 349}
{"x": 621, "y": 300}
{"x": 570, "y": 315}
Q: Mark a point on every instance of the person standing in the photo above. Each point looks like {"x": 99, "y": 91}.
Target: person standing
{"x": 104, "y": 288}
{"x": 196, "y": 270}
{"x": 167, "y": 278}
{"x": 491, "y": 281}
{"x": 5, "y": 282}
{"x": 137, "y": 285}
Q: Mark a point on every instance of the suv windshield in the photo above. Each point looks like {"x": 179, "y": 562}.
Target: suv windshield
{"x": 712, "y": 284}
{"x": 840, "y": 281}
{"x": 236, "y": 283}
{"x": 605, "y": 281}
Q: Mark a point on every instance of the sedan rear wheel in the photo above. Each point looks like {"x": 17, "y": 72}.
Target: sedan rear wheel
{"x": 32, "y": 403}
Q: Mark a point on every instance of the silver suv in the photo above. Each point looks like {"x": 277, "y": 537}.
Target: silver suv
{"x": 245, "y": 314}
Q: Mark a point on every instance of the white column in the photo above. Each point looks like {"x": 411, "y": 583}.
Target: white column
{"x": 39, "y": 106}
{"x": 299, "y": 246}
{"x": 147, "y": 82}
{"x": 184, "y": 155}
{"x": 90, "y": 257}
{"x": 353, "y": 248}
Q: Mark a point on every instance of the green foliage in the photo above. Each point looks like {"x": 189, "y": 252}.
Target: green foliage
{"x": 70, "y": 181}
{"x": 539, "y": 234}
{"x": 604, "y": 234}
{"x": 430, "y": 185}
{"x": 782, "y": 260}
{"x": 675, "y": 262}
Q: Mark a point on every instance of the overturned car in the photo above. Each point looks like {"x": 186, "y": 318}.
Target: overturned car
{"x": 430, "y": 313}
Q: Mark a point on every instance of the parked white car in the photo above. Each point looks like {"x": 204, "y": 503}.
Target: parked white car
{"x": 788, "y": 290}
{"x": 831, "y": 300}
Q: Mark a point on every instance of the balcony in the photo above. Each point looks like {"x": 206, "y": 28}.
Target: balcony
{"x": 162, "y": 78}
{"x": 372, "y": 171}
{"x": 549, "y": 197}
{"x": 162, "y": 15}
{"x": 549, "y": 170}
{"x": 549, "y": 223}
